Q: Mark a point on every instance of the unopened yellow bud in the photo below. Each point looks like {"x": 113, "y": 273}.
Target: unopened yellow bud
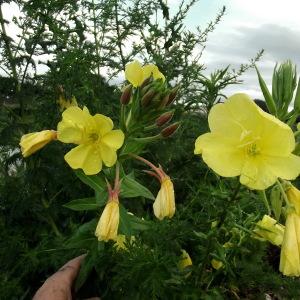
{"x": 293, "y": 195}
{"x": 107, "y": 228}
{"x": 32, "y": 142}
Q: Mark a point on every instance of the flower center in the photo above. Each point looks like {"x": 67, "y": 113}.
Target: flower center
{"x": 94, "y": 137}
{"x": 252, "y": 149}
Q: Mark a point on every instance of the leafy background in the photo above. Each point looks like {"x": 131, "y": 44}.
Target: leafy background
{"x": 85, "y": 53}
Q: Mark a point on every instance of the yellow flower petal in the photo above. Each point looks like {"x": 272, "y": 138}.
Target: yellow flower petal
{"x": 238, "y": 115}
{"x": 284, "y": 167}
{"x": 108, "y": 155}
{"x": 134, "y": 73}
{"x": 216, "y": 264}
{"x": 185, "y": 260}
{"x": 86, "y": 157}
{"x": 153, "y": 70}
{"x": 257, "y": 175}
{"x": 293, "y": 195}
{"x": 290, "y": 249}
{"x": 104, "y": 124}
{"x": 220, "y": 154}
{"x": 114, "y": 139}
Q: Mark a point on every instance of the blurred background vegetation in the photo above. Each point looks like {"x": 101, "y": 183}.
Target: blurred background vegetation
{"x": 84, "y": 46}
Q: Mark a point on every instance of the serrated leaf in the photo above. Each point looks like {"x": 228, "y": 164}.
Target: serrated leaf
{"x": 93, "y": 181}
{"x": 130, "y": 188}
{"x": 82, "y": 204}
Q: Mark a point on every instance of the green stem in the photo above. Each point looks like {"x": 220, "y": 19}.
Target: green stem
{"x": 50, "y": 219}
{"x": 265, "y": 201}
{"x": 283, "y": 193}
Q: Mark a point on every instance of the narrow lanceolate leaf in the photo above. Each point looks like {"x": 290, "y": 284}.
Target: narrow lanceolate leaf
{"x": 297, "y": 98}
{"x": 276, "y": 202}
{"x": 82, "y": 204}
{"x": 268, "y": 97}
{"x": 131, "y": 188}
{"x": 93, "y": 181}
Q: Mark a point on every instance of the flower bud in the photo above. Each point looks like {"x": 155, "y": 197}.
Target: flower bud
{"x": 173, "y": 95}
{"x": 126, "y": 95}
{"x": 170, "y": 130}
{"x": 146, "y": 82}
{"x": 32, "y": 142}
{"x": 216, "y": 264}
{"x": 164, "y": 118}
{"x": 147, "y": 98}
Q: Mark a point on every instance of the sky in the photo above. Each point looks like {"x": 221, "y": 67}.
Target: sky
{"x": 247, "y": 27}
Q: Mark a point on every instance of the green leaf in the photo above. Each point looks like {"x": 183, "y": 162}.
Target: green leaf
{"x": 132, "y": 146}
{"x": 125, "y": 224}
{"x": 130, "y": 188}
{"x": 297, "y": 98}
{"x": 269, "y": 100}
{"x": 83, "y": 236}
{"x": 276, "y": 202}
{"x": 93, "y": 181}
{"x": 82, "y": 204}
{"x": 138, "y": 224}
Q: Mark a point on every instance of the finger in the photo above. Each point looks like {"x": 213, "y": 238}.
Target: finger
{"x": 70, "y": 270}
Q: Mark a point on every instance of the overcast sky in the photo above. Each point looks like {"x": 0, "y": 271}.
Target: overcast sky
{"x": 247, "y": 27}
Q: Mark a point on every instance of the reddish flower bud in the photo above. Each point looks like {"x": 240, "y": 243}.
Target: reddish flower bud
{"x": 148, "y": 97}
{"x": 170, "y": 130}
{"x": 164, "y": 118}
{"x": 146, "y": 82}
{"x": 126, "y": 95}
{"x": 173, "y": 95}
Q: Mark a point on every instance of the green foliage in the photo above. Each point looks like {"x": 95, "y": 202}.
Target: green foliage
{"x": 42, "y": 226}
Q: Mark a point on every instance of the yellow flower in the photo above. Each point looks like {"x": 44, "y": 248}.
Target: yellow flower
{"x": 96, "y": 140}
{"x": 245, "y": 141}
{"x": 135, "y": 73}
{"x": 120, "y": 241}
{"x": 164, "y": 204}
{"x": 185, "y": 260}
{"x": 34, "y": 141}
{"x": 270, "y": 230}
{"x": 107, "y": 228}
{"x": 64, "y": 104}
{"x": 290, "y": 249}
{"x": 216, "y": 264}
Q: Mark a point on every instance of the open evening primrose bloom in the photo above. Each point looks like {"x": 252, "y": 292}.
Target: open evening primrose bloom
{"x": 245, "y": 141}
{"x": 135, "y": 73}
{"x": 96, "y": 140}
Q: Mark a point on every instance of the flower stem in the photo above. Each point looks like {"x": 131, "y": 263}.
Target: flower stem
{"x": 283, "y": 193}
{"x": 265, "y": 201}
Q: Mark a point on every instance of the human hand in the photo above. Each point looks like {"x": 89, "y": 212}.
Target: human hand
{"x": 59, "y": 285}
